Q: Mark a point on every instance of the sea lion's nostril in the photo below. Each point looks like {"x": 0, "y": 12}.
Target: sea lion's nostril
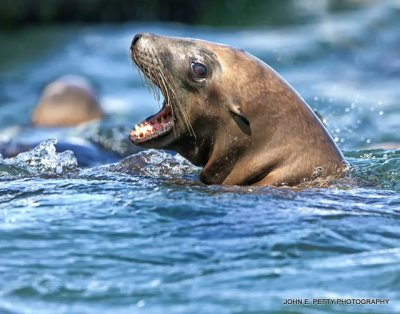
{"x": 135, "y": 39}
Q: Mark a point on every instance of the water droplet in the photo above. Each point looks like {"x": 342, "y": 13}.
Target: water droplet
{"x": 141, "y": 303}
{"x": 155, "y": 283}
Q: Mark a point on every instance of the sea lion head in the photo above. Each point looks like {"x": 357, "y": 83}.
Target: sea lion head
{"x": 201, "y": 88}
{"x": 67, "y": 101}
{"x": 223, "y": 108}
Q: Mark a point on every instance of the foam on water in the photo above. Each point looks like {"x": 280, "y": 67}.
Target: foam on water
{"x": 369, "y": 168}
{"x": 156, "y": 164}
{"x": 43, "y": 160}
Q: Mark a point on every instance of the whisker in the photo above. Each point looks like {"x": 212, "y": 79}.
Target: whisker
{"x": 158, "y": 81}
{"x": 183, "y": 111}
{"x": 167, "y": 91}
{"x": 139, "y": 71}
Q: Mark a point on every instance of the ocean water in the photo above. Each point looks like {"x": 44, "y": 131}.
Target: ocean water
{"x": 150, "y": 238}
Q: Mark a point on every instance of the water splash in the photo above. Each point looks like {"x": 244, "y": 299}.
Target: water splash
{"x": 377, "y": 168}
{"x": 156, "y": 164}
{"x": 43, "y": 160}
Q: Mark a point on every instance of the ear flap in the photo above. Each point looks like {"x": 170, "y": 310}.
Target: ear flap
{"x": 235, "y": 109}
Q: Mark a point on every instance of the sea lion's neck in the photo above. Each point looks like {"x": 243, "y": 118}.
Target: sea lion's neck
{"x": 196, "y": 150}
{"x": 279, "y": 155}
{"x": 238, "y": 166}
{"x": 220, "y": 163}
{"x": 225, "y": 149}
{"x": 215, "y": 154}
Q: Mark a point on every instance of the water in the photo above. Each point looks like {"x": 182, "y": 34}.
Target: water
{"x": 151, "y": 238}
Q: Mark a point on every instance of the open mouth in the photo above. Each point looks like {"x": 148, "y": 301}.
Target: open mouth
{"x": 160, "y": 124}
{"x": 154, "y": 126}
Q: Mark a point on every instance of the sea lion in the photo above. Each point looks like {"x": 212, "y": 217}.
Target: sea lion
{"x": 67, "y": 101}
{"x": 230, "y": 113}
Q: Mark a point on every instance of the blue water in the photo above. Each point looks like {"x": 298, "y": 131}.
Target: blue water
{"x": 143, "y": 235}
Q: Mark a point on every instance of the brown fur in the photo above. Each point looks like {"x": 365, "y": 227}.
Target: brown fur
{"x": 68, "y": 101}
{"x": 284, "y": 143}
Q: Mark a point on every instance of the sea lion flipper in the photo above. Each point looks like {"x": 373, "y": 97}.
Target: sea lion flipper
{"x": 238, "y": 111}
{"x": 263, "y": 135}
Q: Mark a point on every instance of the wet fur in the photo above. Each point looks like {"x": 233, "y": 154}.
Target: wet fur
{"x": 244, "y": 124}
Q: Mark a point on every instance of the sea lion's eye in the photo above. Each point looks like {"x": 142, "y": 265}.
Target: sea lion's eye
{"x": 199, "y": 70}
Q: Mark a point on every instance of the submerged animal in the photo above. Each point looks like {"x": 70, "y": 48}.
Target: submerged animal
{"x": 67, "y": 101}
{"x": 230, "y": 113}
